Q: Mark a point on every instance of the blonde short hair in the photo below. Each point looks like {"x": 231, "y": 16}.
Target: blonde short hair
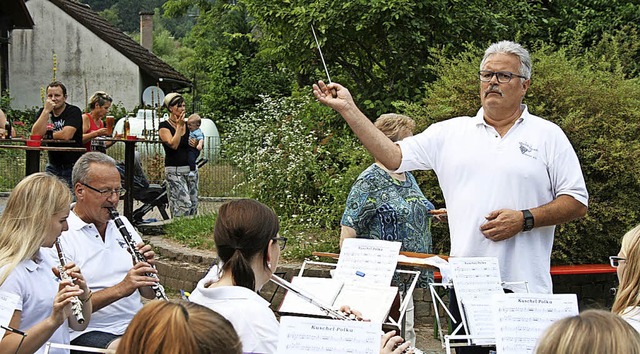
{"x": 592, "y": 331}
{"x": 628, "y": 294}
{"x": 395, "y": 126}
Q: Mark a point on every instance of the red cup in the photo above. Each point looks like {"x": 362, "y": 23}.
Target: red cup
{"x": 132, "y": 137}
{"x": 33, "y": 143}
{"x": 35, "y": 137}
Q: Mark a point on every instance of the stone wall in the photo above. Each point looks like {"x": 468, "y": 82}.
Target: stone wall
{"x": 180, "y": 267}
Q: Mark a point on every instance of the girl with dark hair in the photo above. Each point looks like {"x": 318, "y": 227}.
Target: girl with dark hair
{"x": 247, "y": 242}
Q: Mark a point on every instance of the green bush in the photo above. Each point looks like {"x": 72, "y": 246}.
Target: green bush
{"x": 298, "y": 158}
{"x": 599, "y": 110}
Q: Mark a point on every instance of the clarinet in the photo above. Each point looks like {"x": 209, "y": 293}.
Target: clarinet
{"x": 76, "y": 304}
{"x": 135, "y": 254}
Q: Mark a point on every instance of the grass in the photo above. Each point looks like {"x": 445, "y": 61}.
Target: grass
{"x": 197, "y": 232}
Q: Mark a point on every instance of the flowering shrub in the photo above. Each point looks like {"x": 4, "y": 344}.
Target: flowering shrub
{"x": 297, "y": 158}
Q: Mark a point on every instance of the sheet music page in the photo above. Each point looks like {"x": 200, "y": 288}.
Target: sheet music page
{"x": 522, "y": 318}
{"x": 8, "y": 304}
{"x": 475, "y": 277}
{"x": 475, "y": 281}
{"x": 374, "y": 302}
{"x": 307, "y": 335}
{"x": 369, "y": 261}
{"x": 323, "y": 290}
{"x": 481, "y": 321}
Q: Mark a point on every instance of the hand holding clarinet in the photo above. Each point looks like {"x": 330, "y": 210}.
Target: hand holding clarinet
{"x": 143, "y": 273}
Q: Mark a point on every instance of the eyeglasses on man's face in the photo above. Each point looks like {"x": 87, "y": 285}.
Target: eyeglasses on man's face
{"x": 615, "y": 261}
{"x": 106, "y": 192}
{"x": 282, "y": 241}
{"x": 502, "y": 76}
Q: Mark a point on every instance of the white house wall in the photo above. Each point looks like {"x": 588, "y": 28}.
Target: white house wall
{"x": 85, "y": 63}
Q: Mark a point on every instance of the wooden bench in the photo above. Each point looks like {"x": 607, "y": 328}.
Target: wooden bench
{"x": 576, "y": 269}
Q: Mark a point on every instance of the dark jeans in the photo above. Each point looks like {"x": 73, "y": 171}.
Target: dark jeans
{"x": 61, "y": 171}
{"x": 94, "y": 339}
{"x": 455, "y": 311}
{"x": 193, "y": 156}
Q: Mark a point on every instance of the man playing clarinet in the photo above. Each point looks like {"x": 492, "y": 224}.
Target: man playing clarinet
{"x": 95, "y": 243}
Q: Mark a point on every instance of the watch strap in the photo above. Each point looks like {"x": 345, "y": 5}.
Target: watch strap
{"x": 528, "y": 220}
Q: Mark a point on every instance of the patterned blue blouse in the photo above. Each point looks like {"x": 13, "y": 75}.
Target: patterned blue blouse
{"x": 381, "y": 207}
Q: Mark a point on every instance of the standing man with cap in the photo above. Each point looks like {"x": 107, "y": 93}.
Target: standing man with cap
{"x": 67, "y": 125}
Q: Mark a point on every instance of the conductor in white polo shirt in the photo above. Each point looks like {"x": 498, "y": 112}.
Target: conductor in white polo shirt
{"x": 507, "y": 176}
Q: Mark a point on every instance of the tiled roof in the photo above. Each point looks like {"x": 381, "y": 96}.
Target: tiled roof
{"x": 147, "y": 61}
{"x": 17, "y": 13}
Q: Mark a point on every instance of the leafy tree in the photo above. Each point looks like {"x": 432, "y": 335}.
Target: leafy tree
{"x": 227, "y": 68}
{"x": 382, "y": 48}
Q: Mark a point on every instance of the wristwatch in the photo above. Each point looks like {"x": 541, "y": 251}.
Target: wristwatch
{"x": 528, "y": 220}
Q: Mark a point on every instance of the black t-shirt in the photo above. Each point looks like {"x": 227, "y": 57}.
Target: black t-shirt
{"x": 71, "y": 116}
{"x": 180, "y": 156}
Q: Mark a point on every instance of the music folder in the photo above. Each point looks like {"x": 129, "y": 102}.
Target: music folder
{"x": 373, "y": 301}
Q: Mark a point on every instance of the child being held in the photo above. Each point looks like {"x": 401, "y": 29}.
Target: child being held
{"x": 193, "y": 123}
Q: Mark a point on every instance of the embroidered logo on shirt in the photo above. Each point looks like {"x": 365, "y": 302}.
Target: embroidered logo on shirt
{"x": 122, "y": 243}
{"x": 527, "y": 150}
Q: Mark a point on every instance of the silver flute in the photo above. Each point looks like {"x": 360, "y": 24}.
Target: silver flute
{"x": 135, "y": 254}
{"x": 76, "y": 303}
{"x": 335, "y": 314}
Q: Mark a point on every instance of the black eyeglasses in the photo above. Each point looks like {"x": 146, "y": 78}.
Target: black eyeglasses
{"x": 615, "y": 261}
{"x": 282, "y": 241}
{"x": 106, "y": 192}
{"x": 502, "y": 76}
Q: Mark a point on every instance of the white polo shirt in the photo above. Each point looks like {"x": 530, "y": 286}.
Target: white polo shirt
{"x": 249, "y": 313}
{"x": 37, "y": 286}
{"x": 103, "y": 264}
{"x": 480, "y": 172}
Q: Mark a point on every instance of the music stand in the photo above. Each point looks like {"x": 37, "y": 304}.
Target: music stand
{"x": 50, "y": 345}
{"x": 391, "y": 323}
{"x": 457, "y": 340}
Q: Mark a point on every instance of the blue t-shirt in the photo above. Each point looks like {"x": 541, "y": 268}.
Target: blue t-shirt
{"x": 196, "y": 134}
{"x": 383, "y": 208}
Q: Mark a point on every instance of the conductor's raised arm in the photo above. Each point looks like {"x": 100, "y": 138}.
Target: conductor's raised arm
{"x": 381, "y": 147}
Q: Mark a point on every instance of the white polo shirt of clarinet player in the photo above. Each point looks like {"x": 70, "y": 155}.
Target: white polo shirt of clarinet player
{"x": 103, "y": 264}
{"x": 479, "y": 171}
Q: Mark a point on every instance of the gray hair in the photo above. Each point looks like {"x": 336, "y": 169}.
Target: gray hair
{"x": 81, "y": 167}
{"x": 508, "y": 47}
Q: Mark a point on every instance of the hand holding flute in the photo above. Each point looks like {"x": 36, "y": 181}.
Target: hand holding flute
{"x": 72, "y": 290}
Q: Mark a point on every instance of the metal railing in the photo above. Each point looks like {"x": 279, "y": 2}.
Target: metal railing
{"x": 218, "y": 178}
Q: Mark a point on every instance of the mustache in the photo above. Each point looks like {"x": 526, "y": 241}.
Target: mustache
{"x": 493, "y": 89}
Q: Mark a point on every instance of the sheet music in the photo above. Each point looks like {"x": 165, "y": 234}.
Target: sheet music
{"x": 8, "y": 304}
{"x": 522, "y": 318}
{"x": 323, "y": 290}
{"x": 475, "y": 277}
{"x": 306, "y": 335}
{"x": 475, "y": 281}
{"x": 365, "y": 260}
{"x": 374, "y": 302}
{"x": 481, "y": 321}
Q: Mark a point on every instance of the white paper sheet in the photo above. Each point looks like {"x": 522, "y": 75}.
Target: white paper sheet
{"x": 476, "y": 280}
{"x": 368, "y": 261}
{"x": 323, "y": 290}
{"x": 305, "y": 335}
{"x": 522, "y": 318}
